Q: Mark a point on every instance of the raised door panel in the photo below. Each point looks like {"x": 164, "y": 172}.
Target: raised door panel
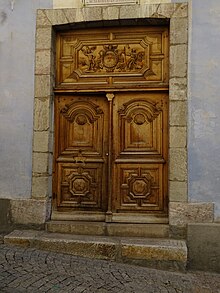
{"x": 112, "y": 57}
{"x": 81, "y": 143}
{"x": 140, "y": 152}
{"x": 139, "y": 187}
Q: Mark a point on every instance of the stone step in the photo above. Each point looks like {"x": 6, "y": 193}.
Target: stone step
{"x": 151, "y": 252}
{"x": 109, "y": 229}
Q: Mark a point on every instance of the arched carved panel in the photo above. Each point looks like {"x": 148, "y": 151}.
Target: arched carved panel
{"x": 139, "y": 122}
{"x": 80, "y": 123}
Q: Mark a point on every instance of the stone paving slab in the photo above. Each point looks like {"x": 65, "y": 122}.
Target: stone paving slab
{"x": 25, "y": 269}
{"x": 156, "y": 253}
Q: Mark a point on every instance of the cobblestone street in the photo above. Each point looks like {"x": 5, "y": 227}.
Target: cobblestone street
{"x": 31, "y": 270}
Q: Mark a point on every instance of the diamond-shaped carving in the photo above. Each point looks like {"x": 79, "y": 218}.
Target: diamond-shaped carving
{"x": 140, "y": 187}
{"x": 79, "y": 185}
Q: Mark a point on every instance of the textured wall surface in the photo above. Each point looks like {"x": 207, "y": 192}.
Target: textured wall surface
{"x": 17, "y": 51}
{"x": 204, "y": 104}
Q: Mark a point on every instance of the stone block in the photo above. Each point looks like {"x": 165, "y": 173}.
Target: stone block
{"x": 177, "y": 137}
{"x": 92, "y": 13}
{"x": 79, "y": 15}
{"x": 180, "y": 10}
{"x": 181, "y": 214}
{"x": 178, "y": 60}
{"x": 178, "y": 113}
{"x": 43, "y": 86}
{"x": 161, "y": 253}
{"x": 165, "y": 10}
{"x": 30, "y": 211}
{"x": 43, "y": 62}
{"x": 41, "y": 141}
{"x": 179, "y": 30}
{"x": 178, "y": 164}
{"x": 203, "y": 242}
{"x": 56, "y": 16}
{"x": 177, "y": 191}
{"x": 77, "y": 227}
{"x": 70, "y": 15}
{"x": 129, "y": 11}
{"x": 42, "y": 19}
{"x": 178, "y": 89}
{"x": 43, "y": 37}
{"x": 40, "y": 187}
{"x": 137, "y": 230}
{"x": 42, "y": 114}
{"x": 40, "y": 163}
{"x": 111, "y": 12}
{"x": 21, "y": 237}
{"x": 79, "y": 245}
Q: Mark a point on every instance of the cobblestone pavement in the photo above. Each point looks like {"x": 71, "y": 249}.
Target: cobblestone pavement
{"x": 32, "y": 270}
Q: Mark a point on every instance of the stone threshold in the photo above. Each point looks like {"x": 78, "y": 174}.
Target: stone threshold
{"x": 158, "y": 253}
{"x": 109, "y": 229}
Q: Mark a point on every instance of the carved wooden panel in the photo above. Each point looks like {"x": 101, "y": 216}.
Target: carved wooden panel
{"x": 81, "y": 143}
{"x": 111, "y": 154}
{"x": 112, "y": 57}
{"x": 140, "y": 121}
{"x": 80, "y": 122}
{"x": 140, "y": 146}
{"x": 80, "y": 186}
{"x": 139, "y": 187}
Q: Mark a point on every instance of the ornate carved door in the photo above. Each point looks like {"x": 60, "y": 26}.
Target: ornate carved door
{"x": 111, "y": 154}
{"x": 80, "y": 151}
{"x": 111, "y": 113}
{"x": 140, "y": 156}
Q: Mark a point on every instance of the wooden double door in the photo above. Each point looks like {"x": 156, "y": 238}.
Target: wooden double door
{"x": 111, "y": 156}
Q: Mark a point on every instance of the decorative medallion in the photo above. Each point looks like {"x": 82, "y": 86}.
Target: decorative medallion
{"x": 140, "y": 187}
{"x": 139, "y": 119}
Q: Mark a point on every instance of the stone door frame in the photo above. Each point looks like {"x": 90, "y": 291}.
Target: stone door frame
{"x": 50, "y": 19}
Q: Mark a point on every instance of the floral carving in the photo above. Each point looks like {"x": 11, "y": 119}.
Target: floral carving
{"x": 111, "y": 58}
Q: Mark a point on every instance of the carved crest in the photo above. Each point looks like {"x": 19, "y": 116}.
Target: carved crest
{"x": 111, "y": 58}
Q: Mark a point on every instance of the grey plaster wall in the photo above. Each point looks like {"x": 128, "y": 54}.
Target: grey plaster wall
{"x": 17, "y": 46}
{"x": 204, "y": 103}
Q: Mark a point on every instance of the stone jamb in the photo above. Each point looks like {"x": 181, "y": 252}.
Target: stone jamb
{"x": 177, "y": 13}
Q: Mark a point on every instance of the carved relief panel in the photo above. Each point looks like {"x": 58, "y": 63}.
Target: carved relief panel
{"x": 80, "y": 148}
{"x": 113, "y": 57}
{"x": 140, "y": 128}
